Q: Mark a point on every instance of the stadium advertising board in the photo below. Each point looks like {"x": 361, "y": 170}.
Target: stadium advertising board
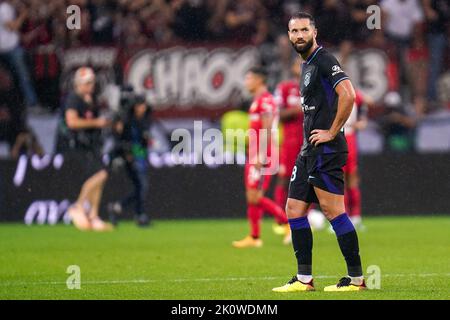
{"x": 39, "y": 190}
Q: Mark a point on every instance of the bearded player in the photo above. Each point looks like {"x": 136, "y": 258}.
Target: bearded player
{"x": 262, "y": 146}
{"x": 287, "y": 97}
{"x": 317, "y": 177}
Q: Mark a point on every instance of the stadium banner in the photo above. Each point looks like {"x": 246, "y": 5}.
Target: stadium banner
{"x": 207, "y": 81}
{"x": 199, "y": 80}
{"x": 103, "y": 60}
{"x": 39, "y": 190}
{"x": 185, "y": 81}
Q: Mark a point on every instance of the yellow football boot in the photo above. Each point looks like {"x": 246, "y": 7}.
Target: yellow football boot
{"x": 345, "y": 285}
{"x": 279, "y": 229}
{"x": 294, "y": 285}
{"x": 248, "y": 242}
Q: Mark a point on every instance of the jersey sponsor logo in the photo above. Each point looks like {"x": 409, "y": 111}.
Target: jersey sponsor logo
{"x": 305, "y": 107}
{"x": 336, "y": 69}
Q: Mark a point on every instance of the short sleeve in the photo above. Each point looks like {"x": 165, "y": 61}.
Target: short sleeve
{"x": 331, "y": 69}
{"x": 72, "y": 102}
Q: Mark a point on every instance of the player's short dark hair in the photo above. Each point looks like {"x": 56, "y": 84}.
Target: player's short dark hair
{"x": 260, "y": 71}
{"x": 304, "y": 15}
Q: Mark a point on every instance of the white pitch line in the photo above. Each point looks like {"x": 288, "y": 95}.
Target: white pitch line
{"x": 137, "y": 281}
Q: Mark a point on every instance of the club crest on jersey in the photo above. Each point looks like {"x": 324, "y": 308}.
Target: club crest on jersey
{"x": 307, "y": 79}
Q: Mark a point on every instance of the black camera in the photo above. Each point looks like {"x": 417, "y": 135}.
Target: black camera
{"x": 128, "y": 99}
{"x": 125, "y": 123}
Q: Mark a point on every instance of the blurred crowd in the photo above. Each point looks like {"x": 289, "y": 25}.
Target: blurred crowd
{"x": 414, "y": 34}
{"x": 141, "y": 22}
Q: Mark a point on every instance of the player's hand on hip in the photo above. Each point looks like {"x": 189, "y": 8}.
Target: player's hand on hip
{"x": 320, "y": 136}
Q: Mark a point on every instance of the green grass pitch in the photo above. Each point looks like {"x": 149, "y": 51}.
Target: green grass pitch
{"x": 193, "y": 259}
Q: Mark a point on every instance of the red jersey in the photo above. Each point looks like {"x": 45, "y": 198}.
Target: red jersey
{"x": 287, "y": 96}
{"x": 262, "y": 104}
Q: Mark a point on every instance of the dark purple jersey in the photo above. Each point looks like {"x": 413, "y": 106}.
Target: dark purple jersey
{"x": 321, "y": 73}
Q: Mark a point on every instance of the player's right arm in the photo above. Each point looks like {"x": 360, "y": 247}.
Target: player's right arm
{"x": 75, "y": 122}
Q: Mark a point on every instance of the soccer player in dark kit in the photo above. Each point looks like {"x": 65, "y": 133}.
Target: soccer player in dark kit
{"x": 327, "y": 101}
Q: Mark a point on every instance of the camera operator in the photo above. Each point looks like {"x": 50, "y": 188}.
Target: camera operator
{"x": 80, "y": 132}
{"x": 131, "y": 131}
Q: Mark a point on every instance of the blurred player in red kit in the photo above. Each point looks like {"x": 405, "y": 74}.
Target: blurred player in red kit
{"x": 287, "y": 97}
{"x": 262, "y": 146}
{"x": 356, "y": 121}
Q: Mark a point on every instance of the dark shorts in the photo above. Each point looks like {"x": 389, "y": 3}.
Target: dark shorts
{"x": 92, "y": 162}
{"x": 321, "y": 171}
{"x": 95, "y": 163}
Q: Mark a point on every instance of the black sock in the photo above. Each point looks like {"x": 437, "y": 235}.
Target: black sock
{"x": 348, "y": 242}
{"x": 302, "y": 241}
{"x": 350, "y": 250}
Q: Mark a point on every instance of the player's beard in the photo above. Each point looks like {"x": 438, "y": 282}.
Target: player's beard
{"x": 305, "y": 46}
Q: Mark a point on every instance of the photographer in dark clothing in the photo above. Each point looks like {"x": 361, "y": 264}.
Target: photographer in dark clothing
{"x": 131, "y": 133}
